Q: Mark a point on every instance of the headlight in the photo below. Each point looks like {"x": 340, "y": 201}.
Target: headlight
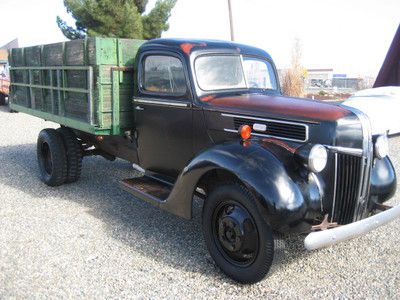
{"x": 317, "y": 158}
{"x": 381, "y": 146}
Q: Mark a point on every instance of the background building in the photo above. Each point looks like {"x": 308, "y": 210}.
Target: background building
{"x": 319, "y": 78}
{"x": 326, "y": 80}
{"x": 4, "y": 72}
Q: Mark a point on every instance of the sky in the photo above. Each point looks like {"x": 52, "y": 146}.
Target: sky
{"x": 350, "y": 36}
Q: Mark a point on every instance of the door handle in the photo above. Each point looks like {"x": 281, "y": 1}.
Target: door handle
{"x": 137, "y": 107}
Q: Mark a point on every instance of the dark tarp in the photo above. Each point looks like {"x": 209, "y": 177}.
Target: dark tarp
{"x": 389, "y": 75}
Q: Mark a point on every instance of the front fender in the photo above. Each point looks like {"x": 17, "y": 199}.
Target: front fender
{"x": 383, "y": 180}
{"x": 257, "y": 167}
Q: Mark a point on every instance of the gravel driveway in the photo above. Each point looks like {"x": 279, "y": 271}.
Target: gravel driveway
{"x": 90, "y": 239}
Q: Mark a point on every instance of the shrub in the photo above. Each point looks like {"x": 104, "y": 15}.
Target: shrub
{"x": 292, "y": 80}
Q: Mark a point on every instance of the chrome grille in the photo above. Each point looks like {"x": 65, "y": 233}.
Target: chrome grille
{"x": 348, "y": 174}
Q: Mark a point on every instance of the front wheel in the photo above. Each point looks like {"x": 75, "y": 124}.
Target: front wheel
{"x": 237, "y": 236}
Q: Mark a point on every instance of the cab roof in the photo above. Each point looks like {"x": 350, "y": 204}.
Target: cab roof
{"x": 189, "y": 45}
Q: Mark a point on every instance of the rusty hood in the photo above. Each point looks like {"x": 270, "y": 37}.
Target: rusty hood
{"x": 277, "y": 106}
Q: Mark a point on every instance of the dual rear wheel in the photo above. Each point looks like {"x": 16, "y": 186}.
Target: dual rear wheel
{"x": 59, "y": 156}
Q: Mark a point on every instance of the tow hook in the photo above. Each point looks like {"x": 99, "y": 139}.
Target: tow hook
{"x": 324, "y": 225}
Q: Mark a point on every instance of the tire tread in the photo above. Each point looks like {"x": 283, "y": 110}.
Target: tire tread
{"x": 73, "y": 151}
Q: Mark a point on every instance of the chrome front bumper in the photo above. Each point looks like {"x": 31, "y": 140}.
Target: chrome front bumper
{"x": 324, "y": 238}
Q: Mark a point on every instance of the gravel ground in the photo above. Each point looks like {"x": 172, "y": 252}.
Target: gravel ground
{"x": 91, "y": 239}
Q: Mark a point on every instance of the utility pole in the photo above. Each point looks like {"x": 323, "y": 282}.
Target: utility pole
{"x": 231, "y": 20}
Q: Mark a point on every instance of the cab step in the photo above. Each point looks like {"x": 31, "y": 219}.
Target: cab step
{"x": 148, "y": 188}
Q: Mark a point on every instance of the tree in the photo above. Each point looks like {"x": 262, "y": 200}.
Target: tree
{"x": 292, "y": 80}
{"x": 116, "y": 18}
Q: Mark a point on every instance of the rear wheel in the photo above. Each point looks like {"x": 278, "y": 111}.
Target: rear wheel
{"x": 51, "y": 157}
{"x": 73, "y": 152}
{"x": 237, "y": 236}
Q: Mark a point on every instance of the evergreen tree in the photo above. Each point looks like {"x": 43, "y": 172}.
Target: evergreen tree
{"x": 157, "y": 20}
{"x": 116, "y": 18}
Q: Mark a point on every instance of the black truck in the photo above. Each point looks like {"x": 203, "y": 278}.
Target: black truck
{"x": 208, "y": 118}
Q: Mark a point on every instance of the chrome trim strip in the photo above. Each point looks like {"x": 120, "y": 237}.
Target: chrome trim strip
{"x": 345, "y": 150}
{"x": 334, "y": 188}
{"x": 160, "y": 102}
{"x": 279, "y": 137}
{"x": 320, "y": 239}
{"x": 230, "y": 130}
{"x": 261, "y": 119}
{"x": 263, "y": 135}
{"x": 272, "y": 120}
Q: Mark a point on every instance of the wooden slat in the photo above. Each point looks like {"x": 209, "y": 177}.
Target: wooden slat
{"x": 59, "y": 81}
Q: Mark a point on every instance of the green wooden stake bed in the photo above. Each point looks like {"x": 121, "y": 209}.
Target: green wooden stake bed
{"x": 82, "y": 84}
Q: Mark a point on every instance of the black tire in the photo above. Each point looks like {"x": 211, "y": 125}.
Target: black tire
{"x": 51, "y": 157}
{"x": 73, "y": 151}
{"x": 2, "y": 99}
{"x": 245, "y": 255}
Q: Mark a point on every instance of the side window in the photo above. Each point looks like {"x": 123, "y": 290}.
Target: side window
{"x": 163, "y": 74}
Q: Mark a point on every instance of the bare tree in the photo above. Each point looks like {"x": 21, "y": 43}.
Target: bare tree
{"x": 292, "y": 81}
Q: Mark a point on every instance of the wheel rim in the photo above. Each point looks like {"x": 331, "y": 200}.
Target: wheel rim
{"x": 235, "y": 233}
{"x": 46, "y": 158}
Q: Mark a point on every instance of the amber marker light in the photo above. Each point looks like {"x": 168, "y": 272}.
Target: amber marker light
{"x": 245, "y": 132}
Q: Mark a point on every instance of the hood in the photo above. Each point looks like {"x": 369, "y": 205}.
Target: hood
{"x": 319, "y": 122}
{"x": 280, "y": 107}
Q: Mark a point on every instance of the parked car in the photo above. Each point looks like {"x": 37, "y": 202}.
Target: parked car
{"x": 382, "y": 105}
{"x": 4, "y": 89}
{"x": 208, "y": 118}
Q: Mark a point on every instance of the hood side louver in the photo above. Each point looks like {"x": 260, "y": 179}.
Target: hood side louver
{"x": 279, "y": 129}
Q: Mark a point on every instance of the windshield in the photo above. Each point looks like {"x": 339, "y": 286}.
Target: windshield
{"x": 224, "y": 72}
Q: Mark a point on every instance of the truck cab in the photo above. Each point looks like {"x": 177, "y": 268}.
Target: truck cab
{"x": 209, "y": 120}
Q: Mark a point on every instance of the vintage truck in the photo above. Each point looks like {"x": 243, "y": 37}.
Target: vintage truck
{"x": 207, "y": 118}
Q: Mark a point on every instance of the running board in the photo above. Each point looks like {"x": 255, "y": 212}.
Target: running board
{"x": 147, "y": 189}
{"x": 160, "y": 193}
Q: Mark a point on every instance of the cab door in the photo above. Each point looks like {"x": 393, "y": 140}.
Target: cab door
{"x": 163, "y": 113}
